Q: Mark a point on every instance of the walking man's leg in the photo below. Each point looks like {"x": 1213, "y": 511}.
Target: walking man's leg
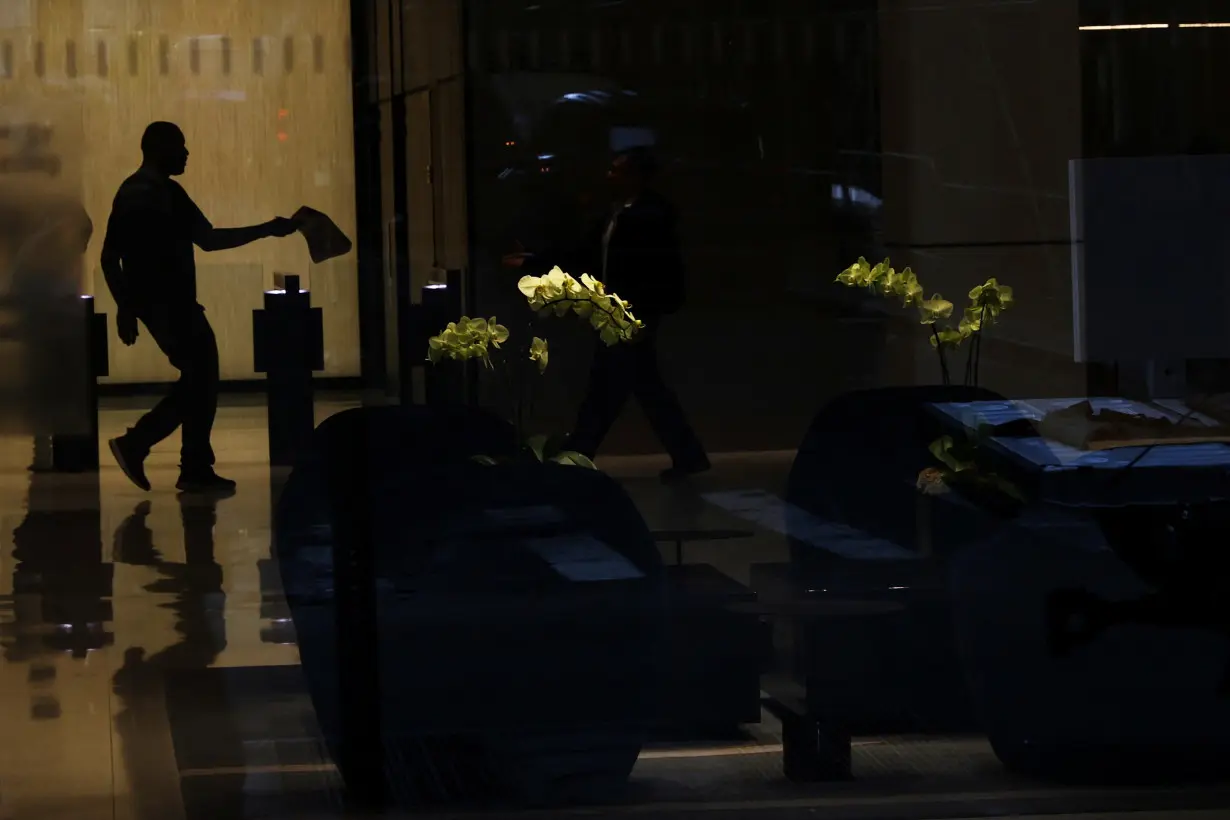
{"x": 189, "y": 343}
{"x": 610, "y": 385}
{"x": 200, "y": 407}
{"x": 664, "y": 412}
{"x": 172, "y": 335}
{"x": 200, "y": 401}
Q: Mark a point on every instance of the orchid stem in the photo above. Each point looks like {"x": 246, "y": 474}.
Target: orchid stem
{"x": 969, "y": 360}
{"x": 982, "y": 317}
{"x": 939, "y": 349}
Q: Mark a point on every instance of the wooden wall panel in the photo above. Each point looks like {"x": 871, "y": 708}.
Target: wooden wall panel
{"x": 263, "y": 93}
{"x": 452, "y": 234}
{"x": 989, "y": 167}
{"x": 388, "y": 209}
{"x": 447, "y": 55}
{"x": 383, "y": 48}
{"x": 417, "y": 39}
{"x": 420, "y": 204}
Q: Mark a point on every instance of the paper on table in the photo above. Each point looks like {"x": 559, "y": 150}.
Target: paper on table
{"x": 324, "y": 238}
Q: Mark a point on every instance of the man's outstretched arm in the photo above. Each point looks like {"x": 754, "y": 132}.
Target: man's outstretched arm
{"x": 209, "y": 238}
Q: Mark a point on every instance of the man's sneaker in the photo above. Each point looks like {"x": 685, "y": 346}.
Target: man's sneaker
{"x": 205, "y": 482}
{"x": 131, "y": 461}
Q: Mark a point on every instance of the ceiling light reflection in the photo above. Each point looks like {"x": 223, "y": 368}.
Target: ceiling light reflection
{"x": 1126, "y": 27}
{"x": 1151, "y": 26}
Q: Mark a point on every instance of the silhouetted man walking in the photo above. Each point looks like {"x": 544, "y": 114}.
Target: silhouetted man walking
{"x": 150, "y": 267}
{"x": 635, "y": 252}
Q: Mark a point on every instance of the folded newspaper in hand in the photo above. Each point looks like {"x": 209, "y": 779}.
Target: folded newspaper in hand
{"x": 324, "y": 238}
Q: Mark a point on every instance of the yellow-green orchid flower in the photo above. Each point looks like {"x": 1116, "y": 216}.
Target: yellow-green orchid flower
{"x": 991, "y": 295}
{"x": 855, "y": 275}
{"x": 539, "y": 353}
{"x": 934, "y": 309}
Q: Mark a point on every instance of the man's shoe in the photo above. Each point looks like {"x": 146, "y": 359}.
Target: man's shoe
{"x": 680, "y": 472}
{"x": 205, "y": 482}
{"x": 131, "y": 460}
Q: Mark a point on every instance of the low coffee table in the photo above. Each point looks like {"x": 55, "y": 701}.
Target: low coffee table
{"x": 706, "y": 634}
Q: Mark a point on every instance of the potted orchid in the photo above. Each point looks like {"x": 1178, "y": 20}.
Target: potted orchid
{"x": 987, "y": 302}
{"x": 555, "y": 294}
{"x": 958, "y": 467}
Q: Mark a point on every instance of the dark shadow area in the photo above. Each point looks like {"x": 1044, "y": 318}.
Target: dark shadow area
{"x": 520, "y": 619}
{"x": 955, "y": 611}
{"x": 1004, "y": 551}
{"x": 61, "y": 584}
{"x": 1175, "y": 552}
{"x": 863, "y": 539}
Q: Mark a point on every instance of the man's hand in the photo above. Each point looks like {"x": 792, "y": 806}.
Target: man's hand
{"x": 281, "y": 226}
{"x": 126, "y": 324}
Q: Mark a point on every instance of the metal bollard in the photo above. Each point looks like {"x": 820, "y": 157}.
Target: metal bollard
{"x": 441, "y": 303}
{"x": 288, "y": 346}
{"x": 78, "y": 453}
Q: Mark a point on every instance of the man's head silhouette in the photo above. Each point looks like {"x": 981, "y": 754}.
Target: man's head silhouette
{"x": 632, "y": 171}
{"x": 165, "y": 149}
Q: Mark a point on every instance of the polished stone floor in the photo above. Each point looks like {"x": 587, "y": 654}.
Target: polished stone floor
{"x": 101, "y": 584}
{"x": 149, "y": 668}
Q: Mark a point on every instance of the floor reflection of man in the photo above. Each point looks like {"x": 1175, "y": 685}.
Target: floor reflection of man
{"x": 199, "y": 605}
{"x": 196, "y": 584}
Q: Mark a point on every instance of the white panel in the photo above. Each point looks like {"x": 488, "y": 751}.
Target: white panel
{"x": 1151, "y": 283}
{"x": 771, "y": 512}
{"x": 583, "y": 558}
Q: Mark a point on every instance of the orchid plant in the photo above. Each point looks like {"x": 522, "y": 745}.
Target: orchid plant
{"x": 555, "y": 294}
{"x": 987, "y": 302}
{"x": 957, "y": 464}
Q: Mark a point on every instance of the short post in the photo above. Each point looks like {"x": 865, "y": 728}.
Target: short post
{"x": 288, "y": 346}
{"x": 78, "y": 452}
{"x": 439, "y": 305}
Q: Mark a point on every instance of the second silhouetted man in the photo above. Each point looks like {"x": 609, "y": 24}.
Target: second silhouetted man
{"x": 635, "y": 252}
